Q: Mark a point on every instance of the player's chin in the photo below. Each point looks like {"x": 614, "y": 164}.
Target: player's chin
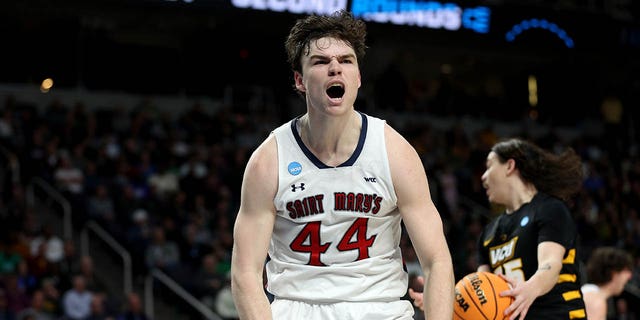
{"x": 337, "y": 109}
{"x": 489, "y": 197}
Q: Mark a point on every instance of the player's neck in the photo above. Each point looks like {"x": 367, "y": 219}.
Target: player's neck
{"x": 331, "y": 139}
{"x": 606, "y": 289}
{"x": 521, "y": 193}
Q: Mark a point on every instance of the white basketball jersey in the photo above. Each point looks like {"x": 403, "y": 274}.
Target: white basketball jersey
{"x": 337, "y": 230}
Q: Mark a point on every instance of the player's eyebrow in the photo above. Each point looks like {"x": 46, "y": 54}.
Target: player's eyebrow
{"x": 339, "y": 57}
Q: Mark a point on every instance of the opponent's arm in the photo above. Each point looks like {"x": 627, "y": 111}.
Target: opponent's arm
{"x": 424, "y": 226}
{"x": 252, "y": 232}
{"x": 483, "y": 268}
{"x": 550, "y": 256}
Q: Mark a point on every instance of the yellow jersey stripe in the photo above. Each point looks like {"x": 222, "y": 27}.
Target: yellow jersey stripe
{"x": 570, "y": 295}
{"x": 571, "y": 257}
{"x": 566, "y": 277}
{"x": 577, "y": 314}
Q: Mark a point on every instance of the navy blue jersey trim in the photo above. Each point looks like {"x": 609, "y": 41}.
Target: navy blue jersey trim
{"x": 320, "y": 164}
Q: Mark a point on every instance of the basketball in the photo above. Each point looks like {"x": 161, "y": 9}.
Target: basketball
{"x": 478, "y": 297}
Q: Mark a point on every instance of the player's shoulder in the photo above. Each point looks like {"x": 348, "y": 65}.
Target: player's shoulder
{"x": 546, "y": 201}
{"x": 547, "y": 205}
{"x": 588, "y": 288}
{"x": 396, "y": 141}
{"x": 265, "y": 156}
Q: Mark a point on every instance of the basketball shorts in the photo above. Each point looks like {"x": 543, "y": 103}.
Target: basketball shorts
{"x": 283, "y": 309}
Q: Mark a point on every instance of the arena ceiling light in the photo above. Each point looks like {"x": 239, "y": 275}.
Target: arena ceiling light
{"x": 528, "y": 24}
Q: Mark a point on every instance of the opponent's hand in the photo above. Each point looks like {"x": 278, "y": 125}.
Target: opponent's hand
{"x": 417, "y": 296}
{"x": 523, "y": 293}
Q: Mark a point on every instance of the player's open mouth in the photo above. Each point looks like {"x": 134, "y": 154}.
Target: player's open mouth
{"x": 335, "y": 91}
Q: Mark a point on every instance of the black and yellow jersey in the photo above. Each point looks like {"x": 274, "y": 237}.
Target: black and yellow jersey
{"x": 509, "y": 243}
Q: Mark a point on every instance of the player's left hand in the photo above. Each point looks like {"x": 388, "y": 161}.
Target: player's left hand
{"x": 523, "y": 294}
{"x": 417, "y": 296}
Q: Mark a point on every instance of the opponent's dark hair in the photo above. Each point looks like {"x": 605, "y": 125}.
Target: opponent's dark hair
{"x": 604, "y": 261}
{"x": 559, "y": 175}
{"x": 340, "y": 25}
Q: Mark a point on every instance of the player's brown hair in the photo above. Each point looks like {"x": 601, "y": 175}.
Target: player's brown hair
{"x": 559, "y": 175}
{"x": 604, "y": 261}
{"x": 340, "y": 25}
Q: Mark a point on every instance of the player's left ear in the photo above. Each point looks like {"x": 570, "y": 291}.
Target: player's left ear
{"x": 297, "y": 76}
{"x": 511, "y": 166}
{"x": 359, "y": 80}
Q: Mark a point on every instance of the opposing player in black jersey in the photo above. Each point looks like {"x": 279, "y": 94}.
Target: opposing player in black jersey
{"x": 533, "y": 243}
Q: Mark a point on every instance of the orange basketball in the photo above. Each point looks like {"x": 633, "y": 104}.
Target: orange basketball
{"x": 478, "y": 297}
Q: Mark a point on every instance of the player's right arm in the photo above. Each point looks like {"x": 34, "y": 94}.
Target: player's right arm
{"x": 483, "y": 260}
{"x": 252, "y": 232}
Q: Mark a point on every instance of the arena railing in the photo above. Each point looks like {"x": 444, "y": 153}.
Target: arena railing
{"x": 54, "y": 195}
{"x": 156, "y": 274}
{"x": 127, "y": 284}
{"x": 12, "y": 165}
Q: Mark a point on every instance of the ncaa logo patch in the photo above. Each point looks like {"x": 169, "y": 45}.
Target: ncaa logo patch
{"x": 524, "y": 221}
{"x": 294, "y": 168}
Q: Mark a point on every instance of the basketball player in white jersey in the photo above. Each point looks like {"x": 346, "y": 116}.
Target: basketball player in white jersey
{"x": 609, "y": 269}
{"x": 324, "y": 195}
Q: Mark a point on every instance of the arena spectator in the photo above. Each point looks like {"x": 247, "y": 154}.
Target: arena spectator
{"x": 92, "y": 280}
{"x": 36, "y": 311}
{"x": 76, "y": 302}
{"x": 51, "y": 244}
{"x": 17, "y": 297}
{"x": 208, "y": 280}
{"x": 9, "y": 262}
{"x": 162, "y": 253}
{"x": 99, "y": 309}
{"x": 133, "y": 309}
{"x": 51, "y": 297}
{"x": 101, "y": 208}
{"x": 27, "y": 282}
{"x": 5, "y": 313}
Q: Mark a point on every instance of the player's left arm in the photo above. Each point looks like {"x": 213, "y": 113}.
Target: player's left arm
{"x": 423, "y": 224}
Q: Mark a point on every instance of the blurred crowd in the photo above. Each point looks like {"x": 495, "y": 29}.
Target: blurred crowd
{"x": 166, "y": 186}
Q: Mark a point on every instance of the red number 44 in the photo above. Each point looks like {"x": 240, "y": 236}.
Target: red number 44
{"x": 315, "y": 247}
